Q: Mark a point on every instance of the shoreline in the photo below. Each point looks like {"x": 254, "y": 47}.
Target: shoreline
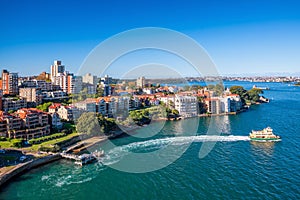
{"x": 23, "y": 167}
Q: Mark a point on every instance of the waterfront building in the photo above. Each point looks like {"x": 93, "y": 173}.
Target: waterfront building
{"x": 235, "y": 102}
{"x": 225, "y": 104}
{"x": 213, "y": 105}
{"x": 186, "y": 105}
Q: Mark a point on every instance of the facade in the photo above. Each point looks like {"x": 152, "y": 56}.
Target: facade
{"x": 66, "y": 113}
{"x": 90, "y": 79}
{"x": 60, "y": 80}
{"x": 13, "y": 104}
{"x": 9, "y": 83}
{"x": 213, "y": 105}
{"x": 38, "y": 84}
{"x": 25, "y": 123}
{"x": 88, "y": 106}
{"x": 54, "y": 108}
{"x": 31, "y": 95}
{"x": 56, "y": 121}
{"x": 74, "y": 84}
{"x": 186, "y": 105}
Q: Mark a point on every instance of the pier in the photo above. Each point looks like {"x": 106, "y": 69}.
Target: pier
{"x": 70, "y": 156}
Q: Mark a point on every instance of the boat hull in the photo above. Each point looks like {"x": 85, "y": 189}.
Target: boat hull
{"x": 265, "y": 139}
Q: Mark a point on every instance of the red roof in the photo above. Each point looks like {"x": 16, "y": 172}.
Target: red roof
{"x": 54, "y": 106}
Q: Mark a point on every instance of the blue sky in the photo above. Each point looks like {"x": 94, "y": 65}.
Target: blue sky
{"x": 240, "y": 36}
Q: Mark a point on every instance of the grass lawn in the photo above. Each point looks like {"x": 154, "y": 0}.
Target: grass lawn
{"x": 5, "y": 144}
{"x": 35, "y": 147}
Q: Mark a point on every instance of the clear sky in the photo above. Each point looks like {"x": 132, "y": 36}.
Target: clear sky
{"x": 241, "y": 36}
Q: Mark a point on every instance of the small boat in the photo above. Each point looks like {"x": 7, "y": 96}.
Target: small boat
{"x": 85, "y": 159}
{"x": 262, "y": 88}
{"x": 264, "y": 135}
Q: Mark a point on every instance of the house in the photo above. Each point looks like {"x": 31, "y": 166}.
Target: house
{"x": 56, "y": 121}
{"x": 54, "y": 107}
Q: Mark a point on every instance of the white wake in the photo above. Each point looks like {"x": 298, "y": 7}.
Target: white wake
{"x": 115, "y": 154}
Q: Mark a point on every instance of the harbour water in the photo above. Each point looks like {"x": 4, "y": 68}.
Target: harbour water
{"x": 235, "y": 167}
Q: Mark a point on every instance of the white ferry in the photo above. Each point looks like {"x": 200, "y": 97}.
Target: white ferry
{"x": 264, "y": 135}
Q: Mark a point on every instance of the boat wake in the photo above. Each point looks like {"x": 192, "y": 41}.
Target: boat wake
{"x": 115, "y": 154}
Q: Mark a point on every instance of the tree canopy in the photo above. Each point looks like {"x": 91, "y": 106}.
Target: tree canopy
{"x": 88, "y": 124}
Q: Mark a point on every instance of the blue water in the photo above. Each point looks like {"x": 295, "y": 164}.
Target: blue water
{"x": 235, "y": 168}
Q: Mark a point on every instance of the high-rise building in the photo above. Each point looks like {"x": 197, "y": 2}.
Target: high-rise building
{"x": 74, "y": 84}
{"x": 140, "y": 82}
{"x": 106, "y": 80}
{"x": 56, "y": 68}
{"x": 89, "y": 78}
{"x": 61, "y": 80}
{"x": 9, "y": 83}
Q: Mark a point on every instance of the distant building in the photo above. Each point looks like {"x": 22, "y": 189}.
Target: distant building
{"x": 31, "y": 95}
{"x": 61, "y": 80}
{"x": 74, "y": 84}
{"x": 38, "y": 84}
{"x": 106, "y": 80}
{"x": 89, "y": 78}
{"x": 56, "y": 69}
{"x": 9, "y": 83}
{"x": 90, "y": 83}
{"x": 140, "y": 82}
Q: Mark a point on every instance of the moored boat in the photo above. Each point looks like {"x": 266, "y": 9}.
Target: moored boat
{"x": 85, "y": 159}
{"x": 264, "y": 135}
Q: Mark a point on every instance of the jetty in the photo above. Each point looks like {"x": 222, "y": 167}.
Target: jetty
{"x": 84, "y": 158}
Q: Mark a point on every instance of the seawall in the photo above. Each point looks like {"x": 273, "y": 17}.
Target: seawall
{"x": 23, "y": 167}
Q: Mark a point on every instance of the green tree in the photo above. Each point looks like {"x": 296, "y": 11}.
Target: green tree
{"x": 241, "y": 92}
{"x": 44, "y": 107}
{"x": 88, "y": 124}
{"x": 254, "y": 94}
